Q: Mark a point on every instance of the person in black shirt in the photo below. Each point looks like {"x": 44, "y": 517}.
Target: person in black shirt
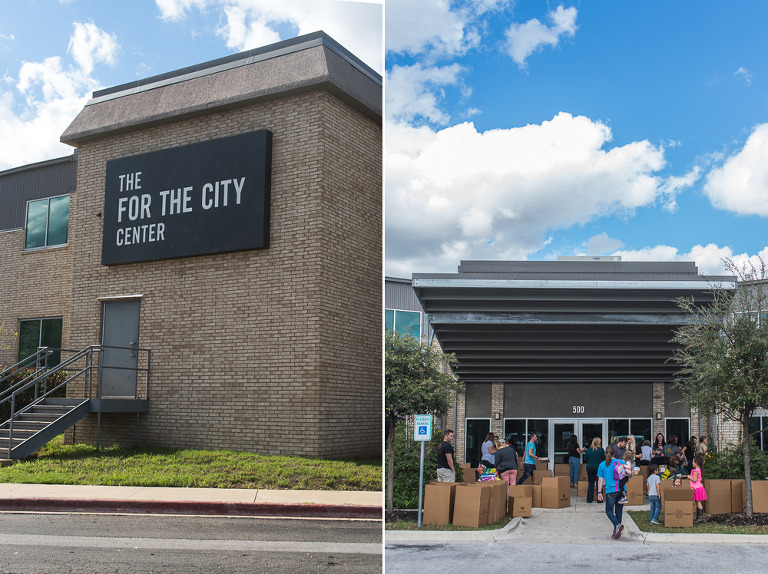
{"x": 446, "y": 472}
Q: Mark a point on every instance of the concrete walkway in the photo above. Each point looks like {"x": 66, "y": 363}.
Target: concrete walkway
{"x": 210, "y": 501}
{"x": 581, "y": 523}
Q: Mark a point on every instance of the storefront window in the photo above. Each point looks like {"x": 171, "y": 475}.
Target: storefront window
{"x": 477, "y": 430}
{"x": 406, "y": 322}
{"x": 679, "y": 428}
{"x": 514, "y": 432}
{"x": 541, "y": 428}
{"x": 47, "y": 222}
{"x": 755, "y": 425}
{"x": 34, "y": 333}
{"x": 641, "y": 429}
{"x": 617, "y": 428}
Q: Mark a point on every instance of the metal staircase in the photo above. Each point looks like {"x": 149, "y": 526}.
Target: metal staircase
{"x": 47, "y": 413}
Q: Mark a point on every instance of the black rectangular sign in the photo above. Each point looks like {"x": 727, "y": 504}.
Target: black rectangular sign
{"x": 199, "y": 199}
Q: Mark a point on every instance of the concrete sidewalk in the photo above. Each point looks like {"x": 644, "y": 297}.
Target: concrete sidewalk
{"x": 581, "y": 523}
{"x": 207, "y": 501}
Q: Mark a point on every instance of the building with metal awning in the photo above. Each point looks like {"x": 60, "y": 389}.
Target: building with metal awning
{"x": 561, "y": 347}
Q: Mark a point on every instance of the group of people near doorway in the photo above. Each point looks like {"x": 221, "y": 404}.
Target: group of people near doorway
{"x": 610, "y": 467}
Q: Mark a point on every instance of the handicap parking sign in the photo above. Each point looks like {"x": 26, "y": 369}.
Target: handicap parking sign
{"x": 422, "y": 427}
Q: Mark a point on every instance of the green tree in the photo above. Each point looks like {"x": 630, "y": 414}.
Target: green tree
{"x": 417, "y": 381}
{"x": 723, "y": 353}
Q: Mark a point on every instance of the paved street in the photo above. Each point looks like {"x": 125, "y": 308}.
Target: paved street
{"x": 90, "y": 543}
{"x": 574, "y": 539}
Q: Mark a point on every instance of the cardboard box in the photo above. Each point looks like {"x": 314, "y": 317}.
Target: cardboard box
{"x": 536, "y": 493}
{"x": 635, "y": 493}
{"x": 644, "y": 474}
{"x": 555, "y": 492}
{"x": 521, "y": 490}
{"x": 498, "y": 505}
{"x": 759, "y": 495}
{"x": 581, "y": 488}
{"x": 468, "y": 474}
{"x": 679, "y": 513}
{"x": 539, "y": 475}
{"x": 563, "y": 470}
{"x": 438, "y": 503}
{"x": 471, "y": 504}
{"x": 542, "y": 465}
{"x": 583, "y": 473}
{"x": 520, "y": 506}
{"x": 738, "y": 487}
{"x": 718, "y": 496}
{"x": 667, "y": 491}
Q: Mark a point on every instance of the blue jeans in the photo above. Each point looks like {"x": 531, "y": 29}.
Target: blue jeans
{"x": 612, "y": 510}
{"x": 528, "y": 471}
{"x": 655, "y": 507}
{"x": 575, "y": 463}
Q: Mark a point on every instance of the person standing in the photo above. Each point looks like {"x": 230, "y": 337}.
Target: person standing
{"x": 619, "y": 447}
{"x": 593, "y": 456}
{"x": 489, "y": 449}
{"x": 529, "y": 462}
{"x": 658, "y": 450}
{"x": 645, "y": 458}
{"x": 574, "y": 459}
{"x": 653, "y": 492}
{"x": 506, "y": 463}
{"x": 606, "y": 477}
{"x": 446, "y": 471}
{"x": 699, "y": 494}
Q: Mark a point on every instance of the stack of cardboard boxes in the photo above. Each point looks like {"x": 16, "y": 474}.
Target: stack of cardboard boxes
{"x": 476, "y": 504}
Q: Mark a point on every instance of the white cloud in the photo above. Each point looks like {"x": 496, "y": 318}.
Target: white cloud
{"x": 90, "y": 45}
{"x": 254, "y": 23}
{"x": 709, "y": 258}
{"x": 436, "y": 27}
{"x": 525, "y": 39}
{"x": 414, "y": 91}
{"x": 601, "y": 244}
{"x": 459, "y": 193}
{"x": 47, "y": 96}
{"x": 746, "y": 74}
{"x": 740, "y": 184}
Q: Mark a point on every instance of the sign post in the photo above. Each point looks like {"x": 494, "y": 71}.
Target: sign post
{"x": 422, "y": 432}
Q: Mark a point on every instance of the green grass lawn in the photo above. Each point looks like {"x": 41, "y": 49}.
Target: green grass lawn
{"x": 57, "y": 463}
{"x": 643, "y": 520}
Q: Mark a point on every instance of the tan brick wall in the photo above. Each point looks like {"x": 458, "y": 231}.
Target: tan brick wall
{"x": 33, "y": 284}
{"x": 275, "y": 351}
{"x": 659, "y": 406}
{"x": 497, "y": 406}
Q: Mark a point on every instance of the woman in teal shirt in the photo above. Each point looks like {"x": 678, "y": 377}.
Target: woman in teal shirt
{"x": 593, "y": 456}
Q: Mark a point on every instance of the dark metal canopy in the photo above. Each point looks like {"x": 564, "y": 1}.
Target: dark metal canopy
{"x": 561, "y": 321}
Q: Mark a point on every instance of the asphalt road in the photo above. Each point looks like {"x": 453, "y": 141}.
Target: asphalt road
{"x": 88, "y": 543}
{"x": 625, "y": 556}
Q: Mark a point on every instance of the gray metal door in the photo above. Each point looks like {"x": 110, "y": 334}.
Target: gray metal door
{"x": 120, "y": 329}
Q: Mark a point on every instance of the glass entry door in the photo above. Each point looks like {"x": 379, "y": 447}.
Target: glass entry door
{"x": 561, "y": 431}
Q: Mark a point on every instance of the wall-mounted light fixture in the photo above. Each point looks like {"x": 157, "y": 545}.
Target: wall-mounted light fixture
{"x": 658, "y": 416}
{"x": 497, "y": 416}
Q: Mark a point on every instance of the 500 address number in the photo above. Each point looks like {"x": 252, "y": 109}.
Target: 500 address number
{"x": 578, "y": 410}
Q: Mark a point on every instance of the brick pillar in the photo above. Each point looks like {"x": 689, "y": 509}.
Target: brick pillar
{"x": 497, "y": 406}
{"x": 459, "y": 441}
{"x": 658, "y": 407}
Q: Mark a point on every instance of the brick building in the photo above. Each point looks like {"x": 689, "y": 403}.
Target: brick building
{"x": 227, "y": 217}
{"x": 579, "y": 345}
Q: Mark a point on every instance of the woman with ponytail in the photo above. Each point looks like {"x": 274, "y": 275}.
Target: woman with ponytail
{"x": 606, "y": 476}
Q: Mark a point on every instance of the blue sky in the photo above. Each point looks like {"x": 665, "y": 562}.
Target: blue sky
{"x": 529, "y": 130}
{"x": 55, "y": 53}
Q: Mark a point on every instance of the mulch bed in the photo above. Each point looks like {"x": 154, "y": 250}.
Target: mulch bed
{"x": 757, "y": 519}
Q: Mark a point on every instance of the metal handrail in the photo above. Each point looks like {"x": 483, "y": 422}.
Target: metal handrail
{"x": 42, "y": 377}
{"x": 35, "y": 359}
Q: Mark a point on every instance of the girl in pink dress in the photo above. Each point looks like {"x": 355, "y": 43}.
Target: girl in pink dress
{"x": 699, "y": 494}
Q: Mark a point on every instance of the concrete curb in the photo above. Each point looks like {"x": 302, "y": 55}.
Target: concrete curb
{"x": 691, "y": 538}
{"x": 306, "y": 510}
{"x": 450, "y": 536}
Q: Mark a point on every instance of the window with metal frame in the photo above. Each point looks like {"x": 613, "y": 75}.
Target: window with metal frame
{"x": 43, "y": 332}
{"x": 406, "y": 322}
{"x": 756, "y": 424}
{"x": 47, "y": 222}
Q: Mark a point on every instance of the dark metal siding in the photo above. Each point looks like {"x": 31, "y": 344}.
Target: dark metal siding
{"x": 399, "y": 294}
{"x": 36, "y": 181}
